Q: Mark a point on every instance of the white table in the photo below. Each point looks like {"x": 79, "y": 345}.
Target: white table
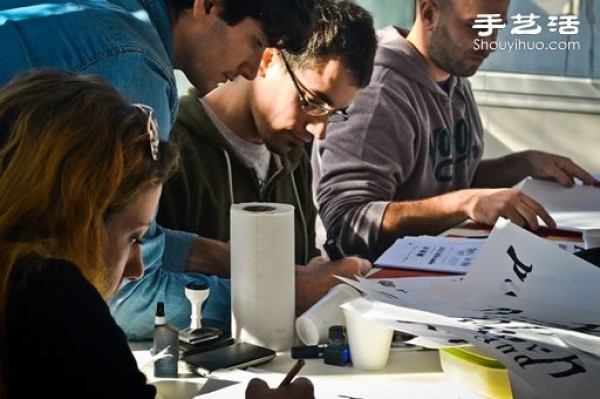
{"x": 416, "y": 373}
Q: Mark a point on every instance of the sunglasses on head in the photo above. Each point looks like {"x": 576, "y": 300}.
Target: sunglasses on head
{"x": 151, "y": 129}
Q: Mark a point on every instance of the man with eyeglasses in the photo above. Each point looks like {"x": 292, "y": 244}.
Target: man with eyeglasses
{"x": 246, "y": 140}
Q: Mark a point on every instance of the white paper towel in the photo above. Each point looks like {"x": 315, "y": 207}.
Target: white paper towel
{"x": 262, "y": 274}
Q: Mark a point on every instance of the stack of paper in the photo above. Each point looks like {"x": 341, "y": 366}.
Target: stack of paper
{"x": 576, "y": 207}
{"x": 524, "y": 302}
{"x": 442, "y": 254}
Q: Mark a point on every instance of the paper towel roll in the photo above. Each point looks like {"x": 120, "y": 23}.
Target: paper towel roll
{"x": 262, "y": 274}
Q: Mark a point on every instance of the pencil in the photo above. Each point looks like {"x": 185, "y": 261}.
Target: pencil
{"x": 292, "y": 373}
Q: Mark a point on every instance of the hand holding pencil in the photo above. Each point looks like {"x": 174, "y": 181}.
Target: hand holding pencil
{"x": 290, "y": 388}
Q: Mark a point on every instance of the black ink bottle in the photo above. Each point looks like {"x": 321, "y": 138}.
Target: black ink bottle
{"x": 166, "y": 338}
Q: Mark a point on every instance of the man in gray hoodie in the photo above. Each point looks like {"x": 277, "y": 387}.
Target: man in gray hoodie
{"x": 409, "y": 159}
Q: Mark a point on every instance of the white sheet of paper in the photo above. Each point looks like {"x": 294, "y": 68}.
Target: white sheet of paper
{"x": 576, "y": 208}
{"x": 348, "y": 386}
{"x": 524, "y": 301}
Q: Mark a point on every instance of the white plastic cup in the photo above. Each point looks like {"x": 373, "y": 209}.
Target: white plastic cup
{"x": 313, "y": 325}
{"x": 591, "y": 238}
{"x": 369, "y": 341}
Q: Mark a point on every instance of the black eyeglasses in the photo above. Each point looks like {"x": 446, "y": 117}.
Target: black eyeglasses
{"x": 313, "y": 107}
{"x": 151, "y": 129}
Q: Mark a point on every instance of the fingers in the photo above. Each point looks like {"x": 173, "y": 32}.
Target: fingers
{"x": 355, "y": 266}
{"x": 300, "y": 388}
{"x": 566, "y": 171}
{"x": 317, "y": 260}
{"x": 303, "y": 384}
{"x": 563, "y": 178}
{"x": 561, "y": 169}
{"x": 349, "y": 266}
{"x": 586, "y": 178}
{"x": 364, "y": 266}
{"x": 519, "y": 208}
{"x": 528, "y": 210}
{"x": 301, "y": 381}
{"x": 256, "y": 388}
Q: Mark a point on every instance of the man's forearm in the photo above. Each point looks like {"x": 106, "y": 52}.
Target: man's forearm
{"x": 501, "y": 172}
{"x": 430, "y": 216}
{"x": 310, "y": 287}
{"x": 211, "y": 257}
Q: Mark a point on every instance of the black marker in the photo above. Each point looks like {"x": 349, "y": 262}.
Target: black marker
{"x": 333, "y": 249}
{"x": 308, "y": 352}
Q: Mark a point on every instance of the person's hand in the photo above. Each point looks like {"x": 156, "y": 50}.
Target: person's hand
{"x": 486, "y": 205}
{"x": 299, "y": 388}
{"x": 547, "y": 166}
{"x": 349, "y": 266}
{"x": 314, "y": 280}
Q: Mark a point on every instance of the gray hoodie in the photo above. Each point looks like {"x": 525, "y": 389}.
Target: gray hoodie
{"x": 407, "y": 138}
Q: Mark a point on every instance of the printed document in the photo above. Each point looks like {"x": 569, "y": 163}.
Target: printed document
{"x": 438, "y": 254}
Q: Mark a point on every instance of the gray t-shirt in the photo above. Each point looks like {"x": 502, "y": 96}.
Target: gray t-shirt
{"x": 255, "y": 156}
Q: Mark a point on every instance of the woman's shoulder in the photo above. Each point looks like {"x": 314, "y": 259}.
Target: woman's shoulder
{"x": 36, "y": 268}
{"x": 38, "y": 277}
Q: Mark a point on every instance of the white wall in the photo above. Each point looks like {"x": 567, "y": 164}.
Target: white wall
{"x": 553, "y": 114}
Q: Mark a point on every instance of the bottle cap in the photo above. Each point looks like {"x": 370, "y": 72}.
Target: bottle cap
{"x": 160, "y": 314}
{"x": 197, "y": 286}
{"x": 160, "y": 309}
{"x": 337, "y": 332}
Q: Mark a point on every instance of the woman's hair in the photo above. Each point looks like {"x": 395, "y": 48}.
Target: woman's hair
{"x": 73, "y": 152}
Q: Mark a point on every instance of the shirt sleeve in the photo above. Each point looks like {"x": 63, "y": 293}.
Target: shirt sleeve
{"x": 178, "y": 245}
{"x": 363, "y": 162}
{"x": 166, "y": 249}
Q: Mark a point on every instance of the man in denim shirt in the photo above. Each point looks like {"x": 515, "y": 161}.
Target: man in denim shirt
{"x": 135, "y": 45}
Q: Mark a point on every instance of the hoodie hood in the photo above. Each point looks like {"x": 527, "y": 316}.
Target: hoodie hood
{"x": 392, "y": 42}
{"x": 193, "y": 115}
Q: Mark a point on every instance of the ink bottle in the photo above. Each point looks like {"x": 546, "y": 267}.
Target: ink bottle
{"x": 165, "y": 336}
{"x": 337, "y": 352}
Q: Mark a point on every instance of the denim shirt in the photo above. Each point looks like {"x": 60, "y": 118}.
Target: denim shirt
{"x": 129, "y": 44}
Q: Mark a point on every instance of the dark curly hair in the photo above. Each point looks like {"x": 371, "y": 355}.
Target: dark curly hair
{"x": 287, "y": 23}
{"x": 343, "y": 30}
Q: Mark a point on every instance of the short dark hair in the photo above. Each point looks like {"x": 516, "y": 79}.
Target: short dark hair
{"x": 287, "y": 23}
{"x": 343, "y": 30}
